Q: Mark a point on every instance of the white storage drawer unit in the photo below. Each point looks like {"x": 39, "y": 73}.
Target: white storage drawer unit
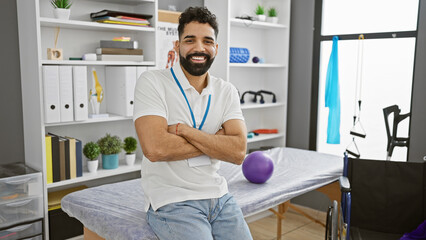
{"x": 21, "y": 196}
{"x": 22, "y": 210}
{"x": 19, "y": 181}
{"x": 22, "y": 231}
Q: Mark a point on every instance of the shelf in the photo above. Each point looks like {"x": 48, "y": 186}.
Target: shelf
{"x": 104, "y": 63}
{"x": 86, "y": 25}
{"x": 256, "y": 24}
{"x": 128, "y": 2}
{"x": 257, "y": 65}
{"x": 101, "y": 173}
{"x": 111, "y": 118}
{"x": 263, "y": 137}
{"x": 246, "y": 106}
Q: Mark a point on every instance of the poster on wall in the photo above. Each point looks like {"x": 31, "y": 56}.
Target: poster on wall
{"x": 167, "y": 35}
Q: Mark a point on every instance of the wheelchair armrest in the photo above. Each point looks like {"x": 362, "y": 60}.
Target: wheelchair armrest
{"x": 345, "y": 186}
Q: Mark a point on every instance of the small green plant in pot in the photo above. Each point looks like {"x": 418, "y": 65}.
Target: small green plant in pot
{"x": 272, "y": 15}
{"x": 91, "y": 151}
{"x": 110, "y": 148}
{"x": 61, "y": 9}
{"x": 260, "y": 13}
{"x": 129, "y": 146}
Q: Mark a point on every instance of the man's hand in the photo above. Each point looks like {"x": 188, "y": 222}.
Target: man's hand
{"x": 159, "y": 141}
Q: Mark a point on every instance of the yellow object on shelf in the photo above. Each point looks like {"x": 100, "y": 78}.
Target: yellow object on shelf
{"x": 54, "y": 198}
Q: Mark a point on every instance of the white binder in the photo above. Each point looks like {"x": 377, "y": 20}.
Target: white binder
{"x": 120, "y": 88}
{"x": 52, "y": 112}
{"x": 79, "y": 76}
{"x": 65, "y": 94}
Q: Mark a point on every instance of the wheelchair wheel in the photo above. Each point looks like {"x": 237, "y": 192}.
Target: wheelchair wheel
{"x": 328, "y": 223}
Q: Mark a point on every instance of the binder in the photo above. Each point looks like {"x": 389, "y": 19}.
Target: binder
{"x": 62, "y": 158}
{"x": 51, "y": 94}
{"x": 81, "y": 110}
{"x": 49, "y": 172}
{"x": 67, "y": 167}
{"x": 72, "y": 158}
{"x": 120, "y": 87}
{"x": 79, "y": 157}
{"x": 56, "y": 170}
{"x": 65, "y": 94}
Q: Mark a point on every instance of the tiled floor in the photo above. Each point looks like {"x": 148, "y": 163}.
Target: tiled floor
{"x": 294, "y": 226}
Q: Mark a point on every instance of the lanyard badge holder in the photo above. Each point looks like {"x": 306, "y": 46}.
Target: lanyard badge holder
{"x": 202, "y": 160}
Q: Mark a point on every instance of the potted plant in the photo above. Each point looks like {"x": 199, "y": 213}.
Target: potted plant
{"x": 272, "y": 15}
{"x": 91, "y": 151}
{"x": 110, "y": 148}
{"x": 129, "y": 145}
{"x": 61, "y": 9}
{"x": 260, "y": 13}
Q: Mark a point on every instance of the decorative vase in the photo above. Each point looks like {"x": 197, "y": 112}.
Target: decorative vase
{"x": 61, "y": 13}
{"x": 92, "y": 165}
{"x": 273, "y": 20}
{"x": 110, "y": 161}
{"x": 130, "y": 159}
{"x": 261, "y": 18}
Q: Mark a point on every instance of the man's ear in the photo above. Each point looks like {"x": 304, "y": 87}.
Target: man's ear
{"x": 217, "y": 47}
{"x": 176, "y": 46}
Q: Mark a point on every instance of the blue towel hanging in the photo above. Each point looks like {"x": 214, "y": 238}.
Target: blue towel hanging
{"x": 332, "y": 96}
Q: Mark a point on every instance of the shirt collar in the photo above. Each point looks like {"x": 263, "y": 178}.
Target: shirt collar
{"x": 185, "y": 83}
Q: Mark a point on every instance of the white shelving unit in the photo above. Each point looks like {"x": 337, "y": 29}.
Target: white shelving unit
{"x": 265, "y": 40}
{"x": 77, "y": 36}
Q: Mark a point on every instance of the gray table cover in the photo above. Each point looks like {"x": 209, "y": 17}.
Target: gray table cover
{"x": 116, "y": 211}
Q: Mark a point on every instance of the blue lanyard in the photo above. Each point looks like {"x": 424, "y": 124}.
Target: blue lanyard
{"x": 189, "y": 106}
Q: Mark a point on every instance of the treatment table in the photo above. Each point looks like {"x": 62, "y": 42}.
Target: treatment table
{"x": 116, "y": 211}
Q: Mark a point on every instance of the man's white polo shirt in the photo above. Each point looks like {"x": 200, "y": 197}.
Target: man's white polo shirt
{"x": 158, "y": 94}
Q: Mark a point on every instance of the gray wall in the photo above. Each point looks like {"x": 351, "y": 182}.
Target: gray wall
{"x": 300, "y": 73}
{"x": 11, "y": 123}
{"x": 417, "y": 147}
{"x": 299, "y": 89}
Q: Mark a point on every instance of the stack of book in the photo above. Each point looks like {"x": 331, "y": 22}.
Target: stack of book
{"x": 119, "y": 51}
{"x": 64, "y": 158}
{"x": 122, "y": 18}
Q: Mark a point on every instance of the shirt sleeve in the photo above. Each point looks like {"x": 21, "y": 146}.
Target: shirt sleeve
{"x": 148, "y": 99}
{"x": 233, "y": 107}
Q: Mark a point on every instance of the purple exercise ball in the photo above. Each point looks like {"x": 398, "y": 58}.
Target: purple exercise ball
{"x": 258, "y": 167}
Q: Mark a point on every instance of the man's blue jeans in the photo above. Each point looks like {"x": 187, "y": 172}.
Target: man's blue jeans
{"x": 218, "y": 218}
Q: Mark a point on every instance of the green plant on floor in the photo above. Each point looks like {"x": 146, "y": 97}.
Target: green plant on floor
{"x": 110, "y": 144}
{"x": 130, "y": 144}
{"x": 260, "y": 10}
{"x": 272, "y": 12}
{"x": 61, "y": 4}
{"x": 91, "y": 150}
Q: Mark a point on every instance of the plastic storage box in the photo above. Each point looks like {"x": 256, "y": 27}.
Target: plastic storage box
{"x": 22, "y": 231}
{"x": 21, "y": 195}
{"x": 19, "y": 181}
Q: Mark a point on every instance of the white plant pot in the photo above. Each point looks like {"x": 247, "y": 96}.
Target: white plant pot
{"x": 273, "y": 20}
{"x": 61, "y": 13}
{"x": 92, "y": 165}
{"x": 130, "y": 159}
{"x": 261, "y": 18}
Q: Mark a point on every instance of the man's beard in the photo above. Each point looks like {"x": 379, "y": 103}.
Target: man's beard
{"x": 196, "y": 69}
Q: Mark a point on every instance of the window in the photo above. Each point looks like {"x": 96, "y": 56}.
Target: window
{"x": 388, "y": 71}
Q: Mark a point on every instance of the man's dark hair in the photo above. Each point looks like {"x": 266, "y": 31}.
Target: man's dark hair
{"x": 197, "y": 14}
